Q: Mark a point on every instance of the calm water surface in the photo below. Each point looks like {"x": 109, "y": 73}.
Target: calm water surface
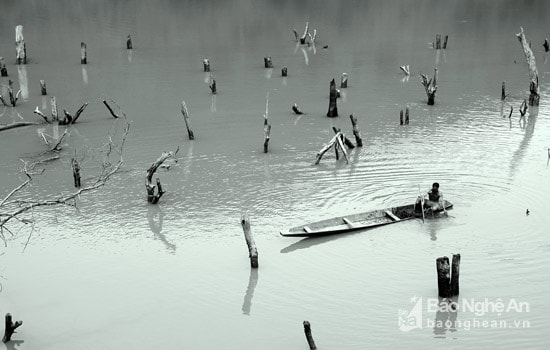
{"x": 118, "y": 273}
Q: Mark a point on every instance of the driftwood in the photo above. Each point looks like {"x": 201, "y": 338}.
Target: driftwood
{"x": 38, "y": 112}
{"x": 356, "y": 132}
{"x": 309, "y": 337}
{"x": 129, "y": 42}
{"x": 149, "y": 187}
{"x": 20, "y": 48}
{"x": 110, "y": 110}
{"x": 83, "y": 54}
{"x": 430, "y": 85}
{"x": 534, "y": 96}
{"x": 10, "y": 328}
{"x": 185, "y": 114}
{"x": 333, "y": 95}
{"x": 346, "y": 141}
{"x": 252, "y": 250}
{"x": 302, "y": 39}
{"x": 3, "y": 70}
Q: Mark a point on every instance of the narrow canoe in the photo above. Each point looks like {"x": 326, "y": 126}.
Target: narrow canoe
{"x": 359, "y": 221}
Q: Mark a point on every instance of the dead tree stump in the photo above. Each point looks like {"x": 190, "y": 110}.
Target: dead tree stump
{"x": 43, "y": 87}
{"x": 447, "y": 280}
{"x": 546, "y": 45}
{"x": 333, "y": 95}
{"x": 149, "y": 187}
{"x": 534, "y": 96}
{"x": 10, "y": 328}
{"x": 437, "y": 45}
{"x": 284, "y": 71}
{"x": 445, "y": 42}
{"x": 503, "y": 91}
{"x": 20, "y": 48}
{"x": 401, "y": 122}
{"x": 83, "y": 54}
{"x": 356, "y": 133}
{"x": 185, "y": 114}
{"x": 407, "y": 115}
{"x": 309, "y": 337}
{"x": 76, "y": 172}
{"x": 267, "y": 125}
{"x": 430, "y": 86}
{"x": 267, "y": 62}
{"x": 212, "y": 85}
{"x": 55, "y": 116}
{"x": 129, "y": 42}
{"x": 297, "y": 109}
{"x": 252, "y": 250}
{"x": 13, "y": 97}
{"x": 206, "y": 65}
{"x": 344, "y": 81}
{"x": 3, "y": 70}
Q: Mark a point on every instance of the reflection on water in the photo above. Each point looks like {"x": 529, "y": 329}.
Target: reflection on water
{"x": 252, "y": 282}
{"x": 154, "y": 212}
{"x": 445, "y": 318}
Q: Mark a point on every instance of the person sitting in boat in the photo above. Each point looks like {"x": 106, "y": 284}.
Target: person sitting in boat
{"x": 435, "y": 198}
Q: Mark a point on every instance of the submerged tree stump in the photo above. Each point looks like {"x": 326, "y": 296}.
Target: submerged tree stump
{"x": 206, "y": 65}
{"x": 129, "y": 42}
{"x": 430, "y": 86}
{"x": 309, "y": 337}
{"x": 267, "y": 125}
{"x": 546, "y": 45}
{"x": 10, "y": 328}
{"x": 43, "y": 87}
{"x": 344, "y": 80}
{"x": 55, "y": 116}
{"x": 297, "y": 109}
{"x": 83, "y": 54}
{"x": 185, "y": 114}
{"x": 3, "y": 70}
{"x": 284, "y": 71}
{"x": 407, "y": 115}
{"x": 356, "y": 132}
{"x": 503, "y": 91}
{"x": 447, "y": 282}
{"x": 267, "y": 62}
{"x": 20, "y": 48}
{"x": 534, "y": 96}
{"x": 252, "y": 250}
{"x": 76, "y": 172}
{"x": 333, "y": 95}
{"x": 153, "y": 197}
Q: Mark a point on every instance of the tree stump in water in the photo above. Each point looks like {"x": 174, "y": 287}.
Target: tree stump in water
{"x": 129, "y": 42}
{"x": 344, "y": 81}
{"x": 206, "y": 65}
{"x": 546, "y": 45}
{"x": 267, "y": 62}
{"x": 356, "y": 133}
{"x": 534, "y": 96}
{"x": 43, "y": 87}
{"x": 309, "y": 337}
{"x": 20, "y": 48}
{"x": 447, "y": 282}
{"x": 252, "y": 250}
{"x": 284, "y": 71}
{"x": 10, "y": 328}
{"x": 83, "y": 53}
{"x": 149, "y": 187}
{"x": 3, "y": 70}
{"x": 430, "y": 86}
{"x": 333, "y": 95}
{"x": 185, "y": 114}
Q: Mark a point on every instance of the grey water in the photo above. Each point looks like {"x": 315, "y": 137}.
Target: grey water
{"x": 119, "y": 273}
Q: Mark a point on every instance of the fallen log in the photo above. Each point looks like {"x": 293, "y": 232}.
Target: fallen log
{"x": 534, "y": 96}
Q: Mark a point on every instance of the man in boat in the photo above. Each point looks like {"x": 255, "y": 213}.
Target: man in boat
{"x": 434, "y": 201}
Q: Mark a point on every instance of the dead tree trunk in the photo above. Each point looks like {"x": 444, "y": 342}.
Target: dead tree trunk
{"x": 10, "y": 328}
{"x": 333, "y": 95}
{"x": 252, "y": 250}
{"x": 407, "y": 115}
{"x": 430, "y": 86}
{"x": 344, "y": 81}
{"x": 534, "y": 96}
{"x": 336, "y": 141}
{"x": 445, "y": 42}
{"x": 267, "y": 126}
{"x": 76, "y": 172}
{"x": 356, "y": 133}
{"x": 129, "y": 42}
{"x": 212, "y": 85}
{"x": 309, "y": 337}
{"x": 447, "y": 276}
{"x": 13, "y": 98}
{"x": 267, "y": 62}
{"x": 20, "y": 48}
{"x": 302, "y": 39}
{"x": 185, "y": 114}
{"x": 503, "y": 91}
{"x": 206, "y": 64}
{"x": 55, "y": 116}
{"x": 284, "y": 71}
{"x": 546, "y": 45}
{"x": 3, "y": 70}
{"x": 83, "y": 54}
{"x": 437, "y": 41}
{"x": 149, "y": 187}
{"x": 43, "y": 87}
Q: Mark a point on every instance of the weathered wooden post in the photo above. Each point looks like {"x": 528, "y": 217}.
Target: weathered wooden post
{"x": 443, "y": 276}
{"x": 309, "y": 337}
{"x": 55, "y": 116}
{"x": 401, "y": 117}
{"x": 206, "y": 65}
{"x": 332, "y": 107}
{"x": 129, "y": 42}
{"x": 445, "y": 42}
{"x": 546, "y": 45}
{"x": 344, "y": 81}
{"x": 76, "y": 172}
{"x": 267, "y": 62}
{"x": 10, "y": 328}
{"x": 455, "y": 274}
{"x": 447, "y": 277}
{"x": 20, "y": 48}
{"x": 407, "y": 115}
{"x": 43, "y": 87}
{"x": 284, "y": 71}
{"x": 503, "y": 91}
{"x": 3, "y": 70}
{"x": 83, "y": 54}
{"x": 252, "y": 250}
{"x": 356, "y": 133}
{"x": 534, "y": 97}
{"x": 185, "y": 114}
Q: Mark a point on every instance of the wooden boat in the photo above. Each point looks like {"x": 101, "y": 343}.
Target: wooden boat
{"x": 360, "y": 221}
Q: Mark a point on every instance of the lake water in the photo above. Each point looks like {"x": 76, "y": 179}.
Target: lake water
{"x": 119, "y": 273}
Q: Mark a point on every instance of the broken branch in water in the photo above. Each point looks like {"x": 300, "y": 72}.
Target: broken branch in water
{"x": 110, "y": 110}
{"x": 149, "y": 187}
{"x": 185, "y": 114}
{"x": 534, "y": 97}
